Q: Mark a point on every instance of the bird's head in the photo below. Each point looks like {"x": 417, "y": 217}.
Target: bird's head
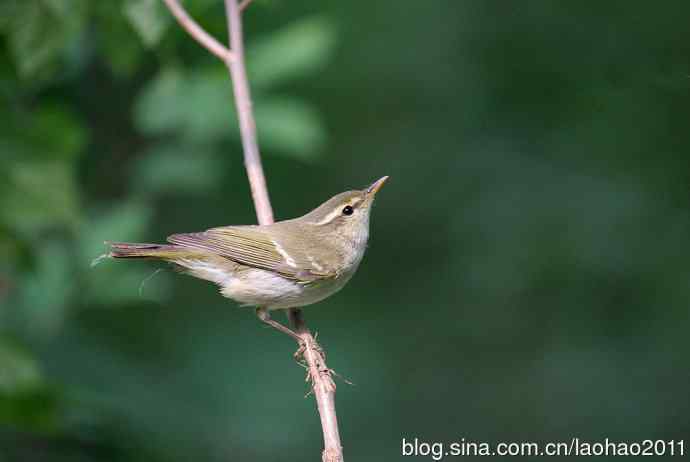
{"x": 347, "y": 214}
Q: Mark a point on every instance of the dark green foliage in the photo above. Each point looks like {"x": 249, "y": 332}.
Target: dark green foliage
{"x": 527, "y": 277}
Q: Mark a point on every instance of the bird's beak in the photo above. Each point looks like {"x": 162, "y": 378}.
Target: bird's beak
{"x": 374, "y": 188}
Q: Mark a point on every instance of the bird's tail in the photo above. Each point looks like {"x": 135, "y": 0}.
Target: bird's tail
{"x": 162, "y": 251}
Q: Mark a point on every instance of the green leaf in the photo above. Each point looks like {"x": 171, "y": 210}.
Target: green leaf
{"x": 26, "y": 402}
{"x": 19, "y": 371}
{"x": 157, "y": 109}
{"x": 40, "y": 30}
{"x": 122, "y": 49}
{"x": 39, "y": 194}
{"x": 172, "y": 168}
{"x": 46, "y": 290}
{"x": 298, "y": 50}
{"x": 56, "y": 133}
{"x": 8, "y": 10}
{"x": 290, "y": 126}
{"x": 149, "y": 18}
{"x": 48, "y": 133}
{"x": 35, "y": 410}
{"x": 198, "y": 106}
{"x": 37, "y": 177}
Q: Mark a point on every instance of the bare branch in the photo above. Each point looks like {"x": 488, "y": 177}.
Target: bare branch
{"x": 244, "y": 4}
{"x": 197, "y": 32}
{"x": 243, "y": 101}
{"x": 319, "y": 374}
{"x": 323, "y": 387}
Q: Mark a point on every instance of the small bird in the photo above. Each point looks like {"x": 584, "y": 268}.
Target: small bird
{"x": 287, "y": 264}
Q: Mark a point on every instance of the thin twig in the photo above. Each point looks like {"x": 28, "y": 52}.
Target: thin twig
{"x": 197, "y": 32}
{"x": 244, "y": 4}
{"x": 319, "y": 374}
{"x": 321, "y": 381}
{"x": 243, "y": 102}
{"x": 323, "y": 387}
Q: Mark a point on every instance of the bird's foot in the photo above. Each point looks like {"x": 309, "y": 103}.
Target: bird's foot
{"x": 265, "y": 317}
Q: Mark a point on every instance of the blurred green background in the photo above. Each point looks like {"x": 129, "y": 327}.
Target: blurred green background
{"x": 528, "y": 276}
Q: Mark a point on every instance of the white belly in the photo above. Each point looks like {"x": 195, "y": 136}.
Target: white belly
{"x": 258, "y": 287}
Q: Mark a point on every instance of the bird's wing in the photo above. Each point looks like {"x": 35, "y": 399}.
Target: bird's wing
{"x": 250, "y": 246}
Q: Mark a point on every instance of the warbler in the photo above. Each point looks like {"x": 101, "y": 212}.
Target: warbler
{"x": 287, "y": 264}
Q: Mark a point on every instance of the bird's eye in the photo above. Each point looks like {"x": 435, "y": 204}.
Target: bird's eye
{"x": 348, "y": 210}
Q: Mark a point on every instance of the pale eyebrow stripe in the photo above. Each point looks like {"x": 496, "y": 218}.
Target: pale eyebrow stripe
{"x": 328, "y": 218}
{"x": 336, "y": 213}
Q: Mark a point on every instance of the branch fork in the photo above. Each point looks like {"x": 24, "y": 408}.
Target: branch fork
{"x": 199, "y": 34}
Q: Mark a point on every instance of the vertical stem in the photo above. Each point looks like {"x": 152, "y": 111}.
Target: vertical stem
{"x": 243, "y": 102}
{"x": 319, "y": 373}
{"x": 323, "y": 387}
